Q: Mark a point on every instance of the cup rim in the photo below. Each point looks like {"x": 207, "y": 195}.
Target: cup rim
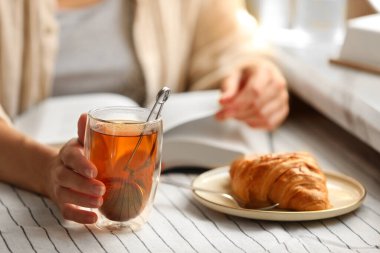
{"x": 91, "y": 112}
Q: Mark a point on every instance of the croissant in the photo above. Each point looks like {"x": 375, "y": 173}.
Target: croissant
{"x": 294, "y": 180}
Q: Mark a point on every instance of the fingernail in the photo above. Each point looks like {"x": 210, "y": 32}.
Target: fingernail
{"x": 92, "y": 220}
{"x": 90, "y": 173}
{"x": 98, "y": 190}
{"x": 97, "y": 202}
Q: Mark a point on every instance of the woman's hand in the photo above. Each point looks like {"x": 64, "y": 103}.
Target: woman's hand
{"x": 256, "y": 95}
{"x": 72, "y": 182}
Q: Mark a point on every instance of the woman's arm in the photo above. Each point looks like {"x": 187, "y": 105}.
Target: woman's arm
{"x": 65, "y": 175}
{"x": 253, "y": 88}
{"x": 23, "y": 162}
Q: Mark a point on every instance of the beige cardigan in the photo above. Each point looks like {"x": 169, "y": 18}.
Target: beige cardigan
{"x": 183, "y": 44}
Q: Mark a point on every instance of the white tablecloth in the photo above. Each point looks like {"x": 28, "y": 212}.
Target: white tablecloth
{"x": 178, "y": 223}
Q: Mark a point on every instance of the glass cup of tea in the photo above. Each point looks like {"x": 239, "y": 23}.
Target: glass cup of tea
{"x": 126, "y": 150}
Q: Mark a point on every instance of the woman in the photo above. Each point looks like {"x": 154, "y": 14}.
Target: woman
{"x": 186, "y": 45}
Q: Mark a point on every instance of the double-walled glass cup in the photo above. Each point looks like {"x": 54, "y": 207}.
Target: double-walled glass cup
{"x": 126, "y": 150}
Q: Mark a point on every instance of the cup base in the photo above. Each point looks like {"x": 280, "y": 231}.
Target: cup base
{"x": 127, "y": 226}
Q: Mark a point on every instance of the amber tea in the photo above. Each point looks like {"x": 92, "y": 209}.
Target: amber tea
{"x": 127, "y": 188}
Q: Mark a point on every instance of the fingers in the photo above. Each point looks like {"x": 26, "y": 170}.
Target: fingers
{"x": 263, "y": 107}
{"x": 69, "y": 179}
{"x": 82, "y": 127}
{"x": 277, "y": 118}
{"x": 270, "y": 117}
{"x": 71, "y": 212}
{"x": 272, "y": 106}
{"x": 72, "y": 156}
{"x": 65, "y": 195}
{"x": 253, "y": 87}
{"x": 256, "y": 87}
{"x": 74, "y": 184}
{"x": 271, "y": 92}
{"x": 230, "y": 87}
{"x": 262, "y": 100}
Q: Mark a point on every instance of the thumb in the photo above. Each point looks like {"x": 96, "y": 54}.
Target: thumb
{"x": 82, "y": 127}
{"x": 230, "y": 87}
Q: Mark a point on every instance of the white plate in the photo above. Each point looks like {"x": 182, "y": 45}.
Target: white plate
{"x": 345, "y": 194}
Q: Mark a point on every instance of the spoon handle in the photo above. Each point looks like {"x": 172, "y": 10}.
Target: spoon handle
{"x": 161, "y": 98}
{"x": 187, "y": 186}
{"x": 229, "y": 196}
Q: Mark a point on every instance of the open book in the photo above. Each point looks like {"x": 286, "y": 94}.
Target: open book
{"x": 192, "y": 137}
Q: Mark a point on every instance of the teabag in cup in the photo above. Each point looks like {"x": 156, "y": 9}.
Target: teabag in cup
{"x": 125, "y": 198}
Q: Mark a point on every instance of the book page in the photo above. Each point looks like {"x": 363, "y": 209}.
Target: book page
{"x": 193, "y": 137}
{"x": 54, "y": 121}
{"x": 204, "y": 143}
{"x": 181, "y": 108}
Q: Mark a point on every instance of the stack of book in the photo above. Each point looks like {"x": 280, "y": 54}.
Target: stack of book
{"x": 360, "y": 48}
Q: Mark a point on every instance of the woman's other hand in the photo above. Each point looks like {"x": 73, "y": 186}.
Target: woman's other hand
{"x": 256, "y": 95}
{"x": 72, "y": 183}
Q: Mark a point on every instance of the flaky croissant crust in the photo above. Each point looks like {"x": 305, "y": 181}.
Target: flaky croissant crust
{"x": 294, "y": 180}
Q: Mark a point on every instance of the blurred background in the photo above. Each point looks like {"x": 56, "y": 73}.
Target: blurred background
{"x": 311, "y": 21}
{"x": 329, "y": 51}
